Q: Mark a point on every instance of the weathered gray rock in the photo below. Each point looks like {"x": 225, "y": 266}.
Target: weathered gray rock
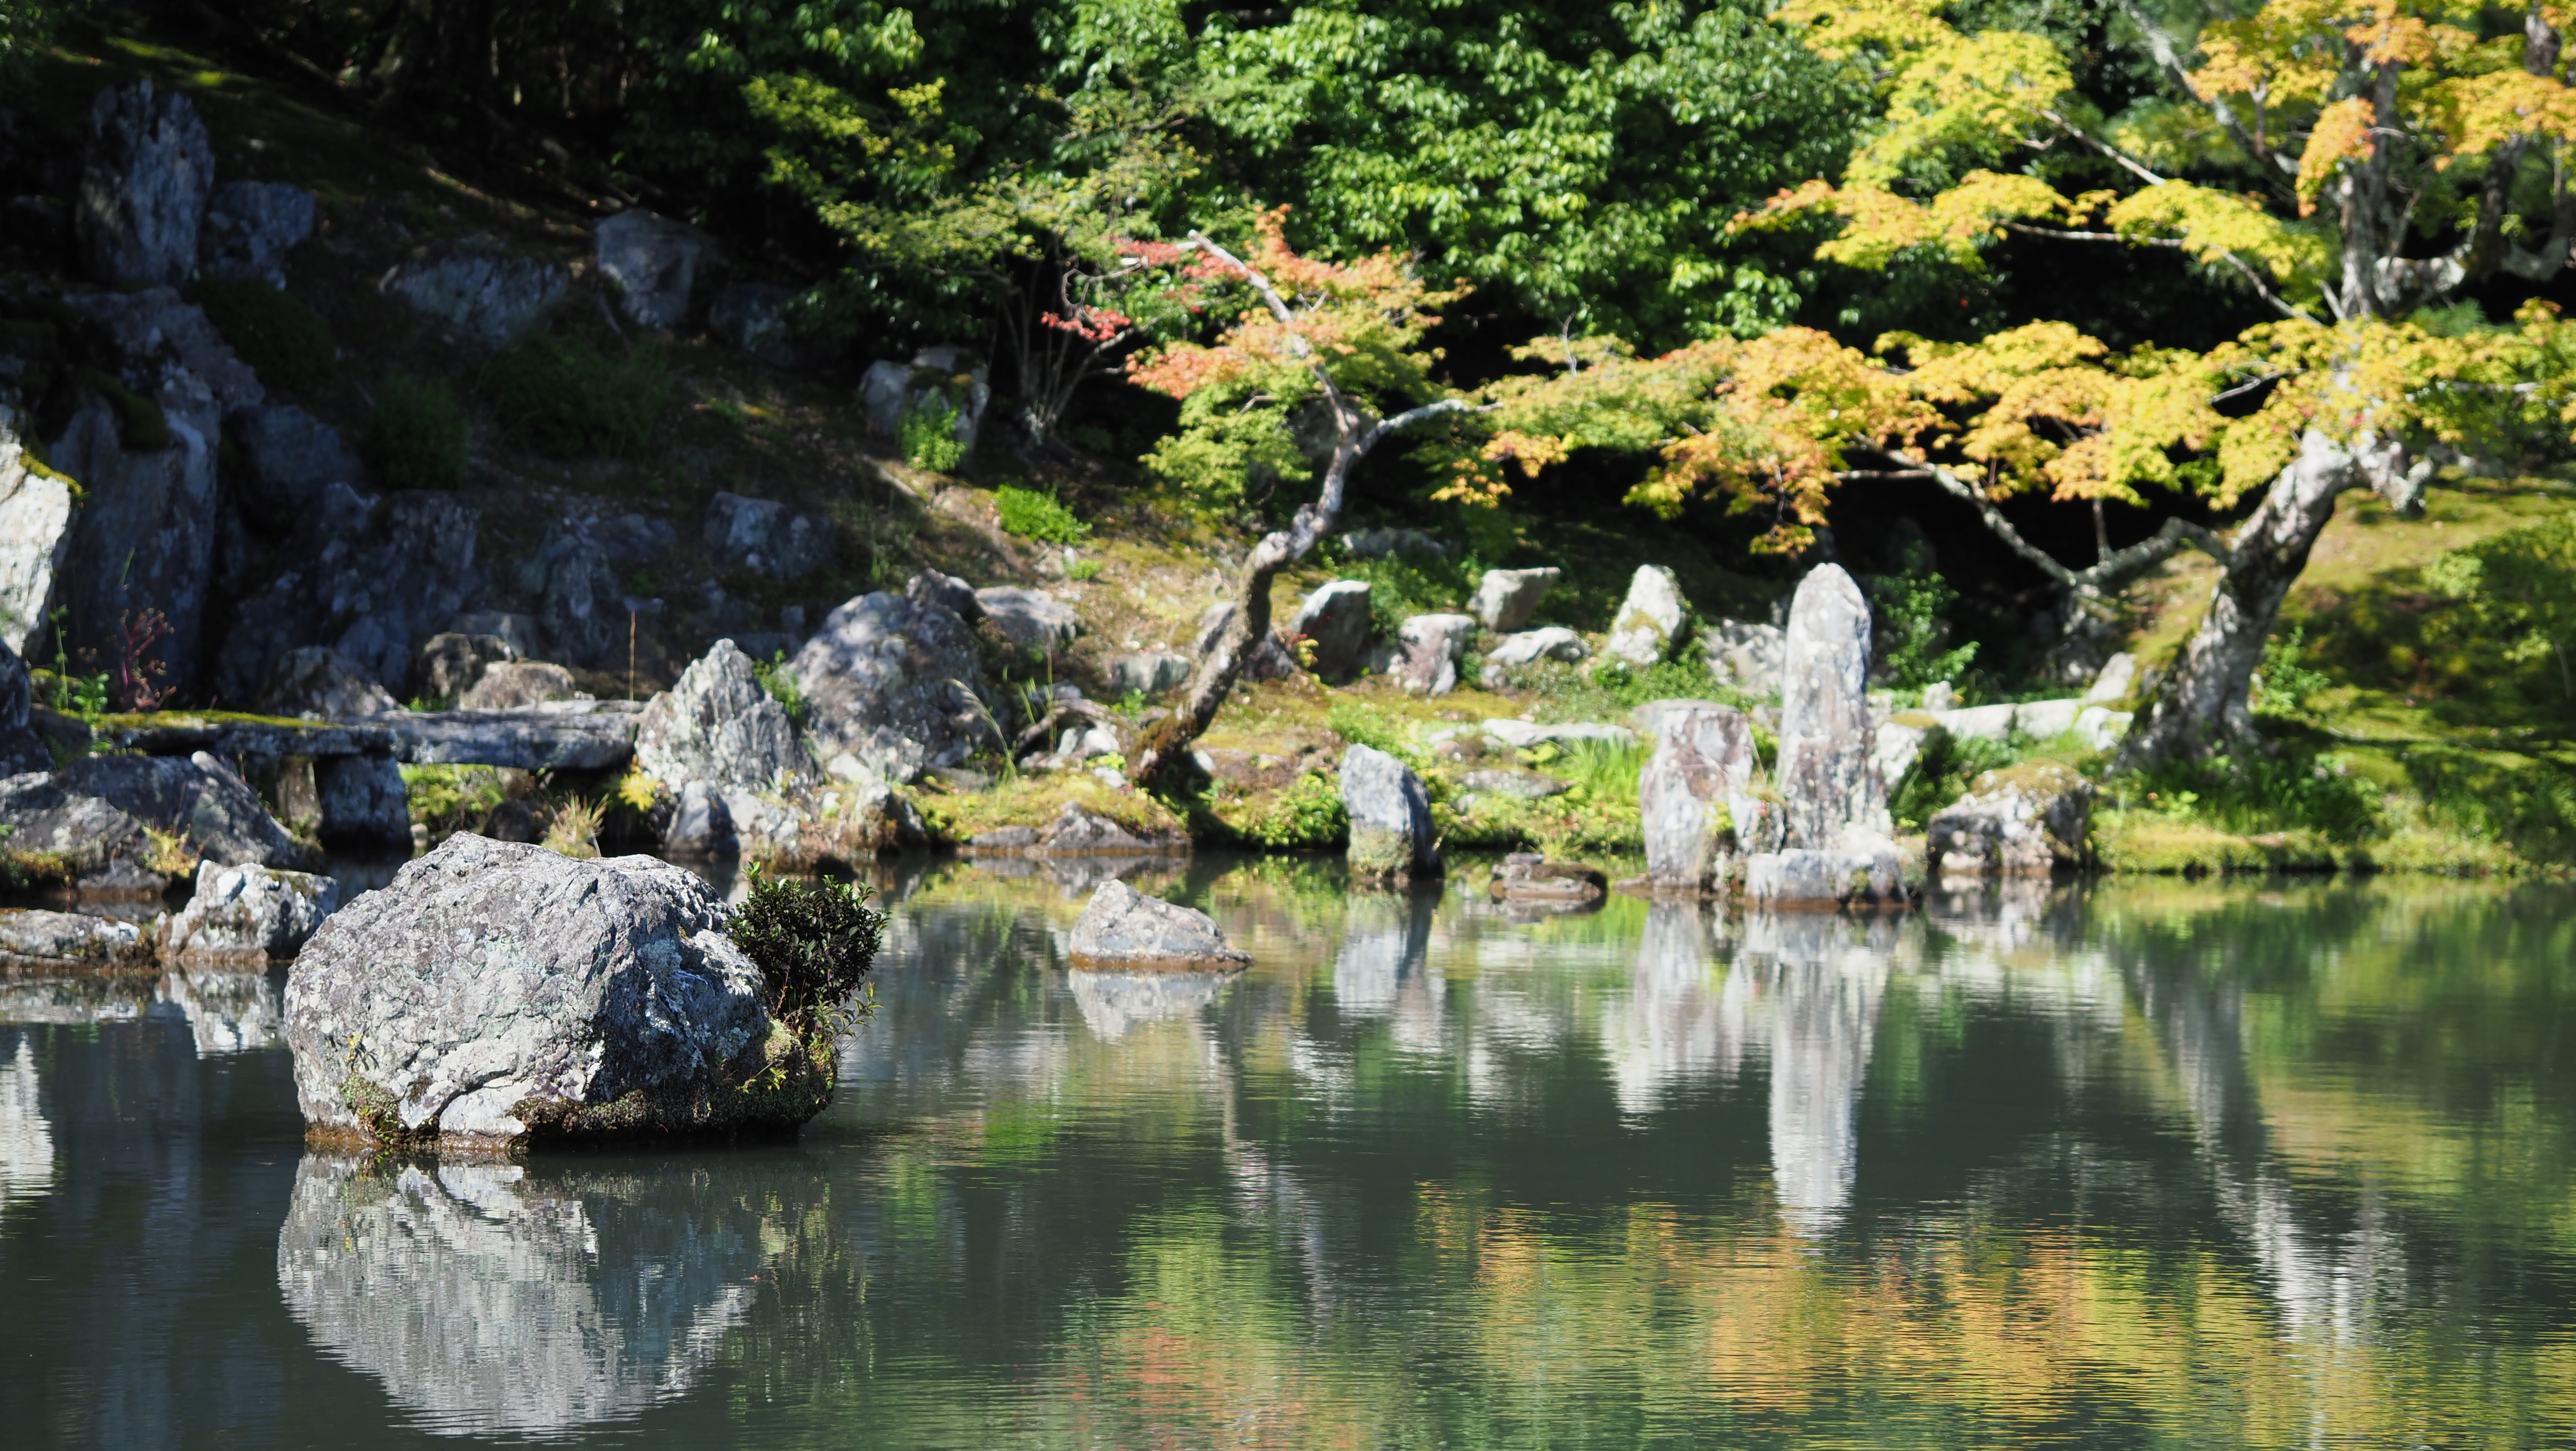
{"x": 1338, "y": 618}
{"x": 363, "y": 801}
{"x": 1747, "y": 656}
{"x": 2118, "y": 677}
{"x": 2025, "y": 820}
{"x": 1391, "y": 543}
{"x": 654, "y": 263}
{"x": 143, "y": 187}
{"x": 35, "y": 535}
{"x": 518, "y": 685}
{"x": 930, "y": 587}
{"x": 1528, "y": 878}
{"x": 249, "y": 228}
{"x": 288, "y": 458}
{"x": 1122, "y": 927}
{"x": 583, "y": 607}
{"x": 38, "y": 940}
{"x": 940, "y": 378}
{"x": 1827, "y": 781}
{"x": 1643, "y": 630}
{"x": 1518, "y": 784}
{"x": 479, "y": 289}
{"x": 752, "y": 316}
{"x": 1555, "y": 642}
{"x": 74, "y": 839}
{"x": 766, "y": 535}
{"x": 895, "y": 684}
{"x": 571, "y": 735}
{"x": 1032, "y": 619}
{"x": 494, "y": 992}
{"x": 1149, "y": 673}
{"x": 1687, "y": 795}
{"x": 633, "y": 538}
{"x": 1520, "y": 735}
{"x": 517, "y": 631}
{"x": 373, "y": 581}
{"x": 91, "y": 815}
{"x": 1507, "y": 598}
{"x": 159, "y": 336}
{"x": 319, "y": 683}
{"x": 1423, "y": 657}
{"x": 248, "y": 914}
{"x": 718, "y": 725}
{"x": 1076, "y": 832}
{"x": 1390, "y": 816}
{"x": 451, "y": 663}
{"x": 701, "y": 824}
{"x": 1859, "y": 868}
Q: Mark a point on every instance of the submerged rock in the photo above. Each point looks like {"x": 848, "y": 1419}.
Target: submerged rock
{"x": 495, "y": 992}
{"x": 1390, "y": 816}
{"x": 248, "y": 913}
{"x": 1122, "y": 927}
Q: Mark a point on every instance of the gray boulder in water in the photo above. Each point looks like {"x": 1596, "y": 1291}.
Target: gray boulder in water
{"x": 143, "y": 187}
{"x": 42, "y": 939}
{"x": 717, "y": 724}
{"x": 894, "y": 683}
{"x": 495, "y": 992}
{"x": 2024, "y": 820}
{"x": 248, "y": 914}
{"x": 1122, "y": 927}
{"x": 1691, "y": 790}
{"x": 1390, "y": 815}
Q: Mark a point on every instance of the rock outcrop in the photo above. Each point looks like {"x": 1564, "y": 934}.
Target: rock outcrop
{"x": 86, "y": 823}
{"x": 654, "y": 263}
{"x": 1122, "y": 927}
{"x": 1423, "y": 657}
{"x": 480, "y": 289}
{"x": 1338, "y": 618}
{"x": 1390, "y": 818}
{"x": 895, "y": 684}
{"x": 319, "y": 683}
{"x": 1691, "y": 791}
{"x": 288, "y": 457}
{"x": 582, "y": 607}
{"x": 1507, "y": 598}
{"x": 373, "y": 580}
{"x": 35, "y": 535}
{"x": 143, "y": 187}
{"x": 248, "y": 914}
{"x": 1648, "y": 619}
{"x": 249, "y": 228}
{"x": 496, "y": 992}
{"x": 717, "y": 724}
{"x": 2025, "y": 820}
{"x": 1826, "y": 779}
{"x": 767, "y": 536}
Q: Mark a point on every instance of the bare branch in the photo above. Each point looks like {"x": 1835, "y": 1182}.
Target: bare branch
{"x": 2106, "y": 576}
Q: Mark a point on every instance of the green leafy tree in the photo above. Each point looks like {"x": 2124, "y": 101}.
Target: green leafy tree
{"x": 2520, "y": 590}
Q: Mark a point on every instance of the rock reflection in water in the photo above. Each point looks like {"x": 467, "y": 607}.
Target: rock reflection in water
{"x": 1112, "y": 1003}
{"x": 228, "y": 1012}
{"x": 1821, "y": 976}
{"x": 491, "y": 1300}
{"x": 1678, "y": 1025}
{"x": 26, "y": 1139}
{"x": 1383, "y": 969}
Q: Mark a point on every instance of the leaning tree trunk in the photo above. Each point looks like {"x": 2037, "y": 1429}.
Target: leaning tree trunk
{"x": 2206, "y": 704}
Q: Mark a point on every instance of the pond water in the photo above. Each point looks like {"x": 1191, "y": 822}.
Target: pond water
{"x": 2128, "y": 1164}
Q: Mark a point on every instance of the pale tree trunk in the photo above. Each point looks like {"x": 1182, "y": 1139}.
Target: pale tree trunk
{"x": 2205, "y": 705}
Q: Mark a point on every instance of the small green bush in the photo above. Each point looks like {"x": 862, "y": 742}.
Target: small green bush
{"x": 1943, "y": 766}
{"x": 1362, "y": 726}
{"x": 564, "y": 398}
{"x": 928, "y": 435}
{"x": 1912, "y": 609}
{"x": 813, "y": 942}
{"x": 1032, "y": 515}
{"x": 416, "y": 440}
{"x": 780, "y": 682}
{"x": 284, "y": 341}
{"x": 1308, "y": 816}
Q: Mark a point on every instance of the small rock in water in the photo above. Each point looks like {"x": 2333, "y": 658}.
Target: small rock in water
{"x": 1692, "y": 792}
{"x": 493, "y": 992}
{"x": 1390, "y": 816}
{"x": 1858, "y": 869}
{"x": 1531, "y": 878}
{"x": 1825, "y": 774}
{"x": 248, "y": 914}
{"x": 67, "y": 939}
{"x": 1124, "y": 927}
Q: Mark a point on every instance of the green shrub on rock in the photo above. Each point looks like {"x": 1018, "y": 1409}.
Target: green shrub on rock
{"x": 813, "y": 941}
{"x": 564, "y": 398}
{"x": 416, "y": 440}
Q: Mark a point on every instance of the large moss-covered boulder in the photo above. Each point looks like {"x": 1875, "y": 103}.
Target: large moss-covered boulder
{"x": 495, "y": 992}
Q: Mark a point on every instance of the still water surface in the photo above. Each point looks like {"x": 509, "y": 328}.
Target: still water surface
{"x": 2123, "y": 1166}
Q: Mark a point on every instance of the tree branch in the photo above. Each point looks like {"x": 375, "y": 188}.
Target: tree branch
{"x": 2105, "y": 577}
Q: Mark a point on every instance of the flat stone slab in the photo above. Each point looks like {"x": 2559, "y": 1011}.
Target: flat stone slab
{"x": 256, "y": 737}
{"x": 1520, "y": 735}
{"x": 572, "y": 735}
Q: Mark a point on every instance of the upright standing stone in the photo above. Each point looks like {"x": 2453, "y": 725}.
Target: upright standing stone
{"x": 143, "y": 188}
{"x": 1648, "y": 619}
{"x": 1824, "y": 765}
{"x": 35, "y": 534}
{"x": 1390, "y": 817}
{"x": 1337, "y": 617}
{"x": 1688, "y": 793}
{"x": 1507, "y": 598}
